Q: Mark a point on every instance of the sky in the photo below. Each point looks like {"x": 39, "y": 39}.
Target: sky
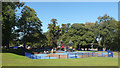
{"x": 69, "y": 0}
{"x": 72, "y": 12}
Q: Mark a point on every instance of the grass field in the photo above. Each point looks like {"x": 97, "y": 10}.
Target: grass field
{"x": 9, "y": 59}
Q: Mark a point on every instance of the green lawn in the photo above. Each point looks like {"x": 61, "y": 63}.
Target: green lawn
{"x": 9, "y": 59}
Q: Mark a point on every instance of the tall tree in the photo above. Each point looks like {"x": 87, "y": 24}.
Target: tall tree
{"x": 53, "y": 33}
{"x": 107, "y": 31}
{"x": 9, "y": 21}
{"x": 29, "y": 26}
{"x": 118, "y": 34}
{"x": 76, "y": 33}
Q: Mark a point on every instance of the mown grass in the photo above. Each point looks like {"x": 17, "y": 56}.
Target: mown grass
{"x": 9, "y": 59}
{"x": 0, "y": 59}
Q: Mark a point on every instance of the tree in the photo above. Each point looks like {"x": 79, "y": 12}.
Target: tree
{"x": 76, "y": 33}
{"x": 29, "y": 26}
{"x": 65, "y": 28}
{"x": 104, "y": 18}
{"x": 53, "y": 33}
{"x": 117, "y": 25}
{"x": 107, "y": 31}
{"x": 82, "y": 35}
{"x": 9, "y": 21}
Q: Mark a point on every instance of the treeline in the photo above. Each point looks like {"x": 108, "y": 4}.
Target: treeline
{"x": 103, "y": 32}
{"x": 26, "y": 29}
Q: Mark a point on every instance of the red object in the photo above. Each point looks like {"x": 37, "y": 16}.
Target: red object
{"x": 62, "y": 47}
{"x": 35, "y": 47}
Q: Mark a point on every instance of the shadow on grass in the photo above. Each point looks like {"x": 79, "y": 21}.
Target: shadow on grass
{"x": 14, "y": 51}
{"x": 20, "y": 51}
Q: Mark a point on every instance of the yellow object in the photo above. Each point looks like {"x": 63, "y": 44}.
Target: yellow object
{"x": 54, "y": 50}
{"x": 70, "y": 47}
{"x": 51, "y": 51}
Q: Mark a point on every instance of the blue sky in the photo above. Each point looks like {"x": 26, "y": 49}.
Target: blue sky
{"x": 72, "y": 12}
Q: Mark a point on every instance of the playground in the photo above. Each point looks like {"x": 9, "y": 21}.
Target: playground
{"x": 62, "y": 57}
{"x": 67, "y": 52}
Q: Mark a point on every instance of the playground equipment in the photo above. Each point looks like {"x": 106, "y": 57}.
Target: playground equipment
{"x": 66, "y": 48}
{"x": 60, "y": 45}
{"x": 110, "y": 53}
{"x": 70, "y": 46}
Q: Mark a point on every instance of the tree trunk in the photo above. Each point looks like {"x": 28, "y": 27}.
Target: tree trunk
{"x": 7, "y": 44}
{"x": 84, "y": 48}
{"x": 87, "y": 48}
{"x": 24, "y": 46}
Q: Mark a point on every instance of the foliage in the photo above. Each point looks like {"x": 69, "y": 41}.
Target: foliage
{"x": 9, "y": 20}
{"x": 105, "y": 30}
{"x": 108, "y": 32}
{"x": 29, "y": 27}
{"x": 53, "y": 33}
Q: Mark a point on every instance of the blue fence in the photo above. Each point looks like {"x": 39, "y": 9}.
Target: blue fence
{"x": 68, "y": 55}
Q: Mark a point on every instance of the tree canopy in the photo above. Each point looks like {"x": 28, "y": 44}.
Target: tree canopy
{"x": 9, "y": 21}
{"x": 29, "y": 26}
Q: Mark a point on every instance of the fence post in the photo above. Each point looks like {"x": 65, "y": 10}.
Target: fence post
{"x": 40, "y": 57}
{"x": 97, "y": 54}
{"x": 67, "y": 56}
{"x": 82, "y": 55}
{"x": 30, "y": 56}
{"x": 25, "y": 53}
{"x": 59, "y": 56}
{"x": 92, "y": 53}
{"x": 102, "y": 54}
{"x": 36, "y": 56}
{"x": 75, "y": 55}
{"x": 112, "y": 55}
{"x": 88, "y": 54}
{"x": 49, "y": 57}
